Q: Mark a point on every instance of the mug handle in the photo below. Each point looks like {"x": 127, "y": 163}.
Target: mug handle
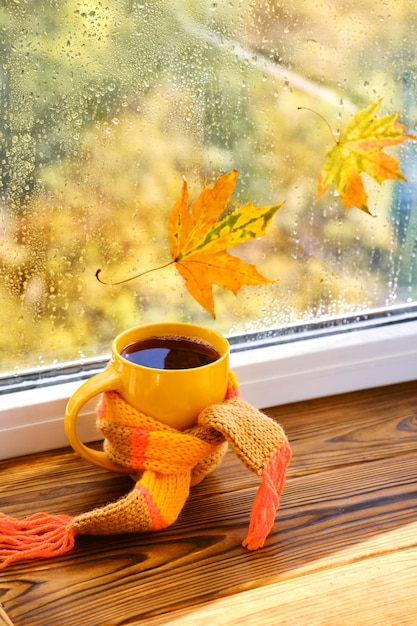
{"x": 107, "y": 380}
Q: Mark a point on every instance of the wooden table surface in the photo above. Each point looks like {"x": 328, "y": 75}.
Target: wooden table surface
{"x": 343, "y": 548}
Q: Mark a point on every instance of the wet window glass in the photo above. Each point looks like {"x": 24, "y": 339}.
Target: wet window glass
{"x": 106, "y": 106}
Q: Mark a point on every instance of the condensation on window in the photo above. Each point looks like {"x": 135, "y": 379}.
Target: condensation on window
{"x": 106, "y": 106}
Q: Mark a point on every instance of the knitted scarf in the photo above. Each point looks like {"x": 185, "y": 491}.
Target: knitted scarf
{"x": 166, "y": 463}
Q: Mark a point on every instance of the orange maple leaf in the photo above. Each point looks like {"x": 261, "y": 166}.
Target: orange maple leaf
{"x": 359, "y": 149}
{"x": 199, "y": 240}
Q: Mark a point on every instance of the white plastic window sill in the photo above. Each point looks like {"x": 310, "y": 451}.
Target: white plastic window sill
{"x": 32, "y": 421}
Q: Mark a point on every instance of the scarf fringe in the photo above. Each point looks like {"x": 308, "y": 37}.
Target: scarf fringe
{"x": 267, "y": 499}
{"x": 39, "y": 536}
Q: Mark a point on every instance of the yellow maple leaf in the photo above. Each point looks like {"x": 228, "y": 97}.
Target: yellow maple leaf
{"x": 358, "y": 150}
{"x": 199, "y": 239}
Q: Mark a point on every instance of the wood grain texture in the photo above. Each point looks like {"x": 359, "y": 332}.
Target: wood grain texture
{"x": 343, "y": 548}
{"x": 4, "y": 618}
{"x": 379, "y": 594}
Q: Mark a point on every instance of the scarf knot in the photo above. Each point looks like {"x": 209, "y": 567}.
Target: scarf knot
{"x": 139, "y": 442}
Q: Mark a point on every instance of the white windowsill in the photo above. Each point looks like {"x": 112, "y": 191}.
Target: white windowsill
{"x": 32, "y": 421}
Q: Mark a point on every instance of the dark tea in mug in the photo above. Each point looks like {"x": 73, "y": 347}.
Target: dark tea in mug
{"x": 170, "y": 352}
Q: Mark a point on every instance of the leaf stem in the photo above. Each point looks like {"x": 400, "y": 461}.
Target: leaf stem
{"x": 126, "y": 280}
{"x": 323, "y": 119}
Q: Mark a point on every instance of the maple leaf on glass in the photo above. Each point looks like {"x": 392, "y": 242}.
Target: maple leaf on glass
{"x": 358, "y": 150}
{"x": 199, "y": 238}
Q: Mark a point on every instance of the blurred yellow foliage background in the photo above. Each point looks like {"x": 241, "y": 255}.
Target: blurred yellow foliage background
{"x": 104, "y": 108}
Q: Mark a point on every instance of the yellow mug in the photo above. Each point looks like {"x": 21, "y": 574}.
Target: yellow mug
{"x": 172, "y": 396}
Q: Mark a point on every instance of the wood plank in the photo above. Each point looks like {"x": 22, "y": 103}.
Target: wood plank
{"x": 350, "y": 428}
{"x": 350, "y": 500}
{"x": 377, "y": 591}
{"x": 4, "y": 618}
{"x": 324, "y": 523}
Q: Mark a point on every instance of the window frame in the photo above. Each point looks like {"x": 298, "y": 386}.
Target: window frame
{"x": 371, "y": 354}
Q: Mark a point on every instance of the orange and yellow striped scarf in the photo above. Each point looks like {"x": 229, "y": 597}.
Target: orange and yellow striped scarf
{"x": 165, "y": 463}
